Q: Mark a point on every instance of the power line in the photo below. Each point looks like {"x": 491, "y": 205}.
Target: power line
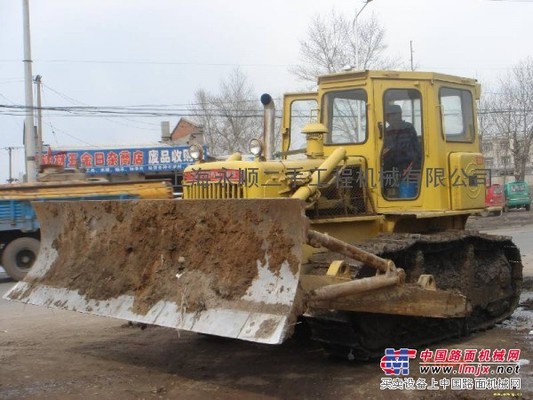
{"x": 54, "y": 129}
{"x": 117, "y": 112}
{"x": 74, "y": 101}
{"x": 69, "y": 135}
{"x": 134, "y": 111}
{"x": 124, "y": 110}
{"x": 11, "y": 80}
{"x": 145, "y": 62}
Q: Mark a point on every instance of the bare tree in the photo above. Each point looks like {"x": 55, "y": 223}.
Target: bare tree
{"x": 330, "y": 46}
{"x": 510, "y": 112}
{"x": 230, "y": 118}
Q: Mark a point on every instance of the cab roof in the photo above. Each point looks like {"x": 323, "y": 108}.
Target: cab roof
{"x": 343, "y": 77}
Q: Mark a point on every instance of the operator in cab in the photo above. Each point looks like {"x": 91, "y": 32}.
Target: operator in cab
{"x": 401, "y": 156}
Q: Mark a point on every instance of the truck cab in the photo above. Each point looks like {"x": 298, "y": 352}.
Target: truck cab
{"x": 517, "y": 195}
{"x": 494, "y": 200}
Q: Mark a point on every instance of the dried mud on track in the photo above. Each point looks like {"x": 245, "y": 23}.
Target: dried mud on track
{"x": 47, "y": 354}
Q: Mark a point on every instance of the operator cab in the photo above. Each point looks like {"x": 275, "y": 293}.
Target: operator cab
{"x": 416, "y": 132}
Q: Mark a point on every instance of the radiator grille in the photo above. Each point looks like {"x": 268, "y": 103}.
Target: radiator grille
{"x": 214, "y": 191}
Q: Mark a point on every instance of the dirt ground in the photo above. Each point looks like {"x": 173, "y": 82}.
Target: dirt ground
{"x": 511, "y": 219}
{"x": 50, "y": 354}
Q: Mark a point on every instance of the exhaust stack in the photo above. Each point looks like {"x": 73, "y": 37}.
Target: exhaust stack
{"x": 268, "y": 125}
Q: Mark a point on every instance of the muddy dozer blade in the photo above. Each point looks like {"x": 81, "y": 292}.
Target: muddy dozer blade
{"x": 222, "y": 267}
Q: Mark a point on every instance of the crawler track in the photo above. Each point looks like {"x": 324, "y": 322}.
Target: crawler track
{"x": 486, "y": 269}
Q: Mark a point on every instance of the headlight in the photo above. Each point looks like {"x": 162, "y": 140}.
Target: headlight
{"x": 255, "y": 147}
{"x": 195, "y": 152}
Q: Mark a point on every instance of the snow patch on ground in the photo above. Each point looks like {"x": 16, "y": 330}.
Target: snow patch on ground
{"x": 522, "y": 318}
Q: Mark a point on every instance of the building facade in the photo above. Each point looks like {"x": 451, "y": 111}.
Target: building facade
{"x": 498, "y": 155}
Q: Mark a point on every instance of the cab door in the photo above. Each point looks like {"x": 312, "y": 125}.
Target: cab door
{"x": 399, "y": 112}
{"x": 466, "y": 171}
{"x": 298, "y": 110}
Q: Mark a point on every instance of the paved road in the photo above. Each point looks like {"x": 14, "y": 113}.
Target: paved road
{"x": 51, "y": 354}
{"x": 523, "y": 238}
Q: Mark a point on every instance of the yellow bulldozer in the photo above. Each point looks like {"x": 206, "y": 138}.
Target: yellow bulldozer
{"x": 355, "y": 229}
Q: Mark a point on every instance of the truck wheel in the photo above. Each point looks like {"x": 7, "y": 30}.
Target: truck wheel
{"x": 528, "y": 207}
{"x": 19, "y": 256}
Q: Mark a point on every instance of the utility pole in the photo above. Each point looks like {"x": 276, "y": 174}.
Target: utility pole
{"x": 10, "y": 152}
{"x": 411, "y": 47}
{"x": 356, "y": 29}
{"x": 10, "y": 156}
{"x": 39, "y": 139}
{"x": 29, "y": 134}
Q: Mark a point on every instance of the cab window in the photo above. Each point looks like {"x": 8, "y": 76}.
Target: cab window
{"x": 401, "y": 154}
{"x": 347, "y": 118}
{"x": 302, "y": 113}
{"x": 518, "y": 187}
{"x": 457, "y": 114}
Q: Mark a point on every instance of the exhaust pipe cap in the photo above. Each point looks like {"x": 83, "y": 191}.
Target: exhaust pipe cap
{"x": 266, "y": 99}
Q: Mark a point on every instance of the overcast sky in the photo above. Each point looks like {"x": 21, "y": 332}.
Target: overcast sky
{"x": 159, "y": 52}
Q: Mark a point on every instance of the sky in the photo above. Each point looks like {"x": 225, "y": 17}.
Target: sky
{"x": 160, "y": 52}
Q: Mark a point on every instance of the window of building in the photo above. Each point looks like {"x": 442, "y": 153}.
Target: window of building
{"x": 506, "y": 161}
{"x": 487, "y": 147}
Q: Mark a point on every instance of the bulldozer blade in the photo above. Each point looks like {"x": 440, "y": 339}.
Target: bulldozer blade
{"x": 222, "y": 267}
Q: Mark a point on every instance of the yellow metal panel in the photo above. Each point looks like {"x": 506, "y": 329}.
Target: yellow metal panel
{"x": 343, "y": 228}
{"x": 66, "y": 190}
{"x": 343, "y": 78}
{"x": 467, "y": 189}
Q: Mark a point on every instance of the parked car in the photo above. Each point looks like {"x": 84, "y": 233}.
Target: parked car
{"x": 494, "y": 200}
{"x": 517, "y": 195}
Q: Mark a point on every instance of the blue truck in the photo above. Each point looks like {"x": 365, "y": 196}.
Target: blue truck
{"x": 20, "y": 228}
{"x": 19, "y": 237}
